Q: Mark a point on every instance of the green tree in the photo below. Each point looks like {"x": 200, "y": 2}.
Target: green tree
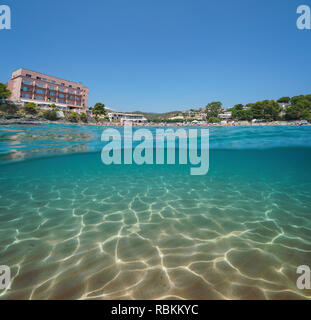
{"x": 213, "y": 109}
{"x": 257, "y": 110}
{"x": 294, "y": 100}
{"x": 99, "y": 108}
{"x": 268, "y": 110}
{"x": 303, "y": 102}
{"x": 271, "y": 110}
{"x": 4, "y": 92}
{"x": 31, "y": 108}
{"x": 308, "y": 97}
{"x": 238, "y": 107}
{"x": 284, "y": 100}
{"x": 242, "y": 115}
{"x": 293, "y": 113}
{"x": 213, "y": 120}
{"x": 306, "y": 115}
{"x": 249, "y": 105}
{"x": 239, "y": 114}
{"x": 300, "y": 108}
{"x": 247, "y": 115}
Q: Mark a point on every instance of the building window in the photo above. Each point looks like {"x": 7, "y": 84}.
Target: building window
{"x": 38, "y": 78}
{"x": 61, "y": 90}
{"x": 27, "y": 82}
{"x": 53, "y": 81}
{"x": 61, "y": 95}
{"x": 39, "y": 91}
{"x": 52, "y": 99}
{"x": 51, "y": 87}
{"x": 38, "y": 98}
{"x": 40, "y": 85}
{"x": 60, "y": 100}
{"x": 63, "y": 84}
{"x": 70, "y": 86}
{"x": 71, "y": 97}
{"x": 28, "y": 75}
{"x": 25, "y": 95}
{"x": 51, "y": 94}
{"x": 70, "y": 91}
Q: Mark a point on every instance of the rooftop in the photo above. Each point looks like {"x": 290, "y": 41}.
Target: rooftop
{"x": 46, "y": 75}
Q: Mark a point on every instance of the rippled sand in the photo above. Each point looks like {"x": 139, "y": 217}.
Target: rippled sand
{"x": 74, "y": 229}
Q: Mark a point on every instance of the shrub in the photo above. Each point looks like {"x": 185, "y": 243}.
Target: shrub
{"x": 73, "y": 117}
{"x": 101, "y": 119}
{"x": 8, "y": 108}
{"x": 31, "y": 108}
{"x": 50, "y": 115}
{"x": 83, "y": 117}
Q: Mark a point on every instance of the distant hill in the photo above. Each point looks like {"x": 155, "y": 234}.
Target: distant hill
{"x": 160, "y": 116}
{"x": 156, "y": 116}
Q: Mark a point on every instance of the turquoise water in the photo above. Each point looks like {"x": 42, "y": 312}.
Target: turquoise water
{"x": 74, "y": 228}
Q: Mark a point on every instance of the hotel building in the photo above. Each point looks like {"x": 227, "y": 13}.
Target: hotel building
{"x": 30, "y": 86}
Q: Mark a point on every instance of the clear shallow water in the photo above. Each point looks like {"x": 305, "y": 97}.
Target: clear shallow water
{"x": 73, "y": 228}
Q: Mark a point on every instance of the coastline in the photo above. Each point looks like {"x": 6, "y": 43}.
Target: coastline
{"x": 9, "y": 120}
{"x": 30, "y": 120}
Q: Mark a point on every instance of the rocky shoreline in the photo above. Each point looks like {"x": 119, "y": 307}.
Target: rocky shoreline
{"x": 9, "y": 120}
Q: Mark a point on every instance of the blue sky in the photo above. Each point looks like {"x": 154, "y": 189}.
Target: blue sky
{"x": 162, "y": 55}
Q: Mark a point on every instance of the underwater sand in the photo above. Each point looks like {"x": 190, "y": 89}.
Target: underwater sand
{"x": 73, "y": 228}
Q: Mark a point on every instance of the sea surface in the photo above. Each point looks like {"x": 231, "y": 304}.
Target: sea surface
{"x": 74, "y": 228}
